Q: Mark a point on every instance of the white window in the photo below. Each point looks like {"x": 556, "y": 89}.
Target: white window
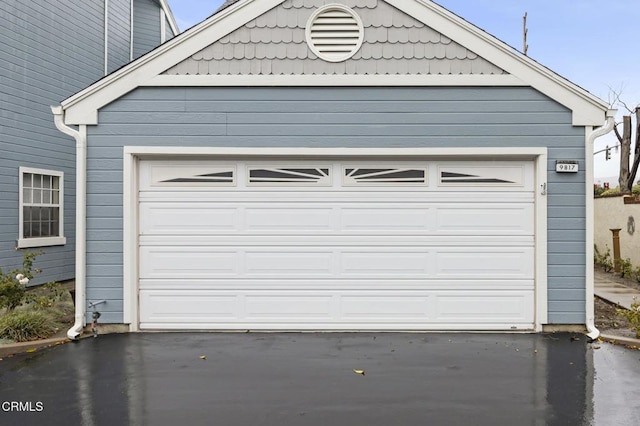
{"x": 41, "y": 208}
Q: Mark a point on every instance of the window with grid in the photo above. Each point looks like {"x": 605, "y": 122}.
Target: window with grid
{"x": 41, "y": 209}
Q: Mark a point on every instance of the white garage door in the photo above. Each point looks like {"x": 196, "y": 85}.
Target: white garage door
{"x": 330, "y": 245}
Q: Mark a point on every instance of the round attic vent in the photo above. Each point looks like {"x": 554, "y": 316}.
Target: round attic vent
{"x": 334, "y": 33}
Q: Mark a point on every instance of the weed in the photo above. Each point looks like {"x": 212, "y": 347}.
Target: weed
{"x": 626, "y": 268}
{"x": 603, "y": 259}
{"x": 24, "y": 326}
{"x": 633, "y": 316}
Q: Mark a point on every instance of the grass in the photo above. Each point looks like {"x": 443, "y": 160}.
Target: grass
{"x": 37, "y": 320}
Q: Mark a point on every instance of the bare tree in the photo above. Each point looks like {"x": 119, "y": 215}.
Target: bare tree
{"x": 628, "y": 174}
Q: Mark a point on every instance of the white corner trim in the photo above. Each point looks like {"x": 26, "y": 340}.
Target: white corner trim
{"x": 541, "y": 267}
{"x": 163, "y": 26}
{"x": 131, "y": 30}
{"x": 333, "y": 80}
{"x": 169, "y": 15}
{"x": 130, "y": 241}
{"x": 106, "y": 37}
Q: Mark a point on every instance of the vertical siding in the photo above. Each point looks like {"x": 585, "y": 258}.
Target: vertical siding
{"x": 146, "y": 26}
{"x": 48, "y": 51}
{"x": 339, "y": 117}
{"x": 119, "y": 34}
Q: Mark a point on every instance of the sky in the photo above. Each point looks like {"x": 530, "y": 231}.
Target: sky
{"x": 589, "y": 42}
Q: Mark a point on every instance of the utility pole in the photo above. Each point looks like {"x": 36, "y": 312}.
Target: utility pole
{"x": 525, "y": 30}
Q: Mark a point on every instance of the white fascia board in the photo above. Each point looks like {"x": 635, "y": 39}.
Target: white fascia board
{"x": 587, "y": 109}
{"x": 169, "y": 15}
{"x": 82, "y": 108}
{"x": 490, "y": 152}
{"x": 332, "y": 80}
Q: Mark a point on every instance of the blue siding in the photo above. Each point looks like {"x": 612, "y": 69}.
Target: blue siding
{"x": 49, "y": 50}
{"x": 340, "y": 117}
{"x": 119, "y": 34}
{"x": 146, "y": 26}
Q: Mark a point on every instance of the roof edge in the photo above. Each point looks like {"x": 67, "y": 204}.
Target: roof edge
{"x": 82, "y": 108}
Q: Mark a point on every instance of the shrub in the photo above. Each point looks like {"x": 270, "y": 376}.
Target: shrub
{"x": 24, "y": 326}
{"x": 13, "y": 284}
{"x": 626, "y": 268}
{"x": 603, "y": 259}
{"x": 633, "y": 316}
{"x": 46, "y": 296}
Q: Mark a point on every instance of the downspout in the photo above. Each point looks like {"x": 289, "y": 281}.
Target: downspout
{"x": 81, "y": 224}
{"x": 592, "y": 332}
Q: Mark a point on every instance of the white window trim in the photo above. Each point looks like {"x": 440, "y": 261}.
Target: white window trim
{"x": 44, "y": 241}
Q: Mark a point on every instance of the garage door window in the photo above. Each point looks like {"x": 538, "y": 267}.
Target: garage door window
{"x": 320, "y": 176}
{"x": 376, "y": 176}
{"x": 41, "y": 208}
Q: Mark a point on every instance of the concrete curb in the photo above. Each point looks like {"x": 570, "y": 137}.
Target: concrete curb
{"x": 619, "y": 340}
{"x": 24, "y": 347}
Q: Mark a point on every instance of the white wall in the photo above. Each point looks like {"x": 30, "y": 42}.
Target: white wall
{"x": 612, "y": 213}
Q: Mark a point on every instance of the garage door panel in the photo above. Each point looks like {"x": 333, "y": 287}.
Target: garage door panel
{"x": 313, "y": 284}
{"x": 498, "y": 307}
{"x": 500, "y": 219}
{"x": 160, "y": 219}
{"x": 287, "y": 217}
{"x": 336, "y": 262}
{"x": 295, "y": 240}
{"x": 386, "y": 263}
{"x": 454, "y": 251}
{"x": 284, "y": 262}
{"x": 167, "y": 262}
{"x": 330, "y": 310}
{"x": 497, "y": 263}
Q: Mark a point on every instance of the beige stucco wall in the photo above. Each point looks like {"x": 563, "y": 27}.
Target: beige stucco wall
{"x": 611, "y": 213}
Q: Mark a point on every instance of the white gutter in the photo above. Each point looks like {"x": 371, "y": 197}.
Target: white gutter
{"x": 81, "y": 223}
{"x": 592, "y": 332}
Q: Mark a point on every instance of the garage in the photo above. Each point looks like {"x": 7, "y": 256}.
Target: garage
{"x": 336, "y": 244}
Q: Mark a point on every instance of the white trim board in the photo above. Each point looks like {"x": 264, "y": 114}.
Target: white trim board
{"x": 503, "y": 80}
{"x": 132, "y": 155}
{"x": 82, "y": 108}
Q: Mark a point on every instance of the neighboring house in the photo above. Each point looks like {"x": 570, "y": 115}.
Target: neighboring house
{"x": 48, "y": 51}
{"x": 365, "y": 165}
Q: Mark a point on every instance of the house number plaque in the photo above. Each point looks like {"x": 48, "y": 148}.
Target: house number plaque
{"x": 567, "y": 166}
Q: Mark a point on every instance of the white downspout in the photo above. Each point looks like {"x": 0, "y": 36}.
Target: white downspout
{"x": 592, "y": 332}
{"x": 81, "y": 221}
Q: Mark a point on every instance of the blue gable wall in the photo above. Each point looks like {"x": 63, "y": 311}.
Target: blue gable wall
{"x": 48, "y": 51}
{"x": 337, "y": 117}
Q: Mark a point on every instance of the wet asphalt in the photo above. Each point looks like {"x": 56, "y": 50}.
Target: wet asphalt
{"x": 309, "y": 379}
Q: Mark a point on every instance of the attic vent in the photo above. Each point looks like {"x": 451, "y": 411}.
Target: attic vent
{"x": 334, "y": 33}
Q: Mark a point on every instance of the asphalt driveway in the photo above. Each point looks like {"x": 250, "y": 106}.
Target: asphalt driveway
{"x": 309, "y": 379}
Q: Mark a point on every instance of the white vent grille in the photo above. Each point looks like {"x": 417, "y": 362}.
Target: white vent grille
{"x": 334, "y": 33}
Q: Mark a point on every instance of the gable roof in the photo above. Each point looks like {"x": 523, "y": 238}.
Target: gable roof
{"x": 155, "y": 68}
